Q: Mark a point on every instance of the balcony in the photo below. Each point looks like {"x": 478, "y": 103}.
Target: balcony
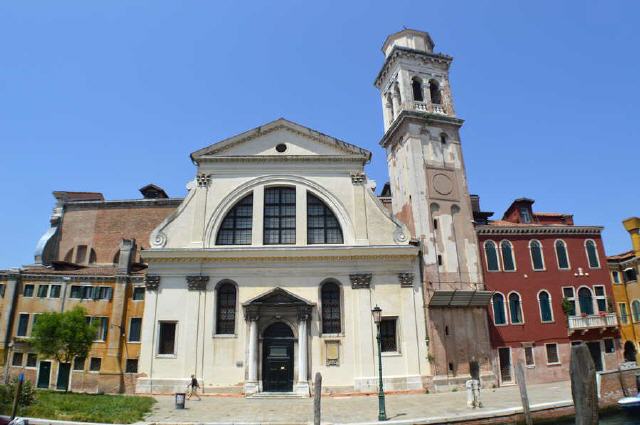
{"x": 594, "y": 321}
{"x": 426, "y": 107}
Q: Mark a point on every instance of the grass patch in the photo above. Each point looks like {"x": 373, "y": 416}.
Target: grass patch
{"x": 88, "y": 407}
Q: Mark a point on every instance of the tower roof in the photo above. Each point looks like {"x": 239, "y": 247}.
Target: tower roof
{"x": 409, "y": 39}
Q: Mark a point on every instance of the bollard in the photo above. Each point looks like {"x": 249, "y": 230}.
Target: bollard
{"x": 583, "y": 386}
{"x": 522, "y": 385}
{"x": 317, "y": 394}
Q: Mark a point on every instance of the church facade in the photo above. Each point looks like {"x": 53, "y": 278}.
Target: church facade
{"x": 269, "y": 269}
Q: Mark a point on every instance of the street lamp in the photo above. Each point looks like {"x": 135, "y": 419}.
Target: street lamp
{"x": 376, "y": 312}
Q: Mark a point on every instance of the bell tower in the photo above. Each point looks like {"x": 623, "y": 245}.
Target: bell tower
{"x": 430, "y": 195}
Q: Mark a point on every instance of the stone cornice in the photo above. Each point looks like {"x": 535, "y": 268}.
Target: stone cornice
{"x": 36, "y": 277}
{"x": 129, "y": 203}
{"x": 397, "y": 51}
{"x": 280, "y": 124}
{"x": 284, "y": 158}
{"x": 281, "y": 254}
{"x": 538, "y": 230}
{"x": 423, "y": 116}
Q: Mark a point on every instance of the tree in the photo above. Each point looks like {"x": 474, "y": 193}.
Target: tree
{"x": 63, "y": 336}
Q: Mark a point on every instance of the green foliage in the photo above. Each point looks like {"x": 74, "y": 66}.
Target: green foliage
{"x": 26, "y": 397}
{"x": 88, "y": 407}
{"x": 63, "y": 336}
{"x": 566, "y": 306}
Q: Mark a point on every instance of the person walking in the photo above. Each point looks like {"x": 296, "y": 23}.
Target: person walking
{"x": 193, "y": 388}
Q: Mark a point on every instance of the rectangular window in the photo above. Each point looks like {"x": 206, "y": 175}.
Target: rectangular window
{"x": 32, "y": 360}
{"x": 569, "y": 297}
{"x": 624, "y": 315}
{"x": 95, "y": 364}
{"x": 528, "y": 356}
{"x": 616, "y": 276}
{"x": 55, "y": 291}
{"x": 43, "y": 290}
{"x": 81, "y": 253}
{"x": 388, "y": 335}
{"x": 103, "y": 293}
{"x": 102, "y": 326}
{"x": 609, "y": 346}
{"x": 601, "y": 298}
{"x": 78, "y": 363}
{"x": 552, "y": 353}
{"x": 23, "y": 324}
{"x": 167, "y": 338}
{"x": 17, "y": 359}
{"x": 28, "y": 290}
{"x": 138, "y": 293}
{"x": 131, "y": 366}
{"x": 76, "y": 292}
{"x": 525, "y": 217}
{"x": 279, "y": 216}
{"x": 134, "y": 329}
{"x": 35, "y": 320}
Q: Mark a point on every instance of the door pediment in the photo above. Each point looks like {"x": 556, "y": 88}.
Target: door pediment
{"x": 278, "y": 297}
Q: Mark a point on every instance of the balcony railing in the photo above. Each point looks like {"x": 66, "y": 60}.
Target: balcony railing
{"x": 425, "y": 107}
{"x": 593, "y": 321}
{"x": 438, "y": 109}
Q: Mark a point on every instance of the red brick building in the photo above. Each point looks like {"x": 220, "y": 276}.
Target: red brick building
{"x": 551, "y": 290}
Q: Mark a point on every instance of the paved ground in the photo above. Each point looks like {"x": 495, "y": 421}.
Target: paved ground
{"x": 428, "y": 408}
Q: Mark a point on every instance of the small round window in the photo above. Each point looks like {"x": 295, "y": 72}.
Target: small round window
{"x": 281, "y": 147}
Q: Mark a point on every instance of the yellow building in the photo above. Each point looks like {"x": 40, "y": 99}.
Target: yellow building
{"x": 626, "y": 291}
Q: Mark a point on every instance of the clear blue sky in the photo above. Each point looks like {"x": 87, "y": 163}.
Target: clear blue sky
{"x": 108, "y": 96}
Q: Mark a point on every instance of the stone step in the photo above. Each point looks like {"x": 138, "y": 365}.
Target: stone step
{"x": 271, "y": 395}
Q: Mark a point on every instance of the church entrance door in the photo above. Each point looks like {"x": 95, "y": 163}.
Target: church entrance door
{"x": 277, "y": 359}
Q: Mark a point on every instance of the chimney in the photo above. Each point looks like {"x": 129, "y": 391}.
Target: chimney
{"x": 127, "y": 255}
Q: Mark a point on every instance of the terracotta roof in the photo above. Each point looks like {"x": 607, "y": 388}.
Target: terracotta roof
{"x": 550, "y": 214}
{"x": 622, "y": 256}
{"x": 86, "y": 271}
{"x": 505, "y": 223}
{"x": 78, "y": 196}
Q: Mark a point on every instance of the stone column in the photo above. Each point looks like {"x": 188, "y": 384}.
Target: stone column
{"x": 251, "y": 385}
{"x": 395, "y": 97}
{"x": 426, "y": 92}
{"x": 302, "y": 387}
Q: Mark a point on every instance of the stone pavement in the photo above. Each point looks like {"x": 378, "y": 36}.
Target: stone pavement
{"x": 409, "y": 408}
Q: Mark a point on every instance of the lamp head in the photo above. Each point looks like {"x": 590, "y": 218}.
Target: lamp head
{"x": 376, "y": 312}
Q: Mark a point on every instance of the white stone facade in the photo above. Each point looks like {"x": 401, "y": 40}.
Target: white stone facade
{"x": 374, "y": 265}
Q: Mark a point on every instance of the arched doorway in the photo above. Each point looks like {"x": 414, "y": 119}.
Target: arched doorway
{"x": 629, "y": 351}
{"x": 277, "y": 358}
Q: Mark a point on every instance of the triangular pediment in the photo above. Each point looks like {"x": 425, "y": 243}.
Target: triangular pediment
{"x": 278, "y": 296}
{"x": 269, "y": 140}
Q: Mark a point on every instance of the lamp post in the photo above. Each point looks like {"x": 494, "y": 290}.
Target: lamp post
{"x": 376, "y": 312}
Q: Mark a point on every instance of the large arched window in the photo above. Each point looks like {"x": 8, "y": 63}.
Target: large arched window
{"x": 236, "y": 226}
{"x": 585, "y": 300}
{"x": 635, "y": 311}
{"x": 416, "y": 86}
{"x": 544, "y": 299}
{"x": 508, "y": 262}
{"x": 279, "y": 215}
{"x": 226, "y": 309}
{"x": 562, "y": 255}
{"x": 515, "y": 308}
{"x": 592, "y": 254}
{"x": 491, "y": 254}
{"x": 499, "y": 315}
{"x": 330, "y": 296}
{"x": 322, "y": 225}
{"x": 537, "y": 258}
{"x": 434, "y": 90}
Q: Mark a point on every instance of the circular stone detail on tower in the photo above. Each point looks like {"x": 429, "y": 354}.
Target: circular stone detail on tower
{"x": 442, "y": 184}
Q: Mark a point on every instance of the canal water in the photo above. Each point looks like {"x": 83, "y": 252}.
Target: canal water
{"x": 614, "y": 418}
